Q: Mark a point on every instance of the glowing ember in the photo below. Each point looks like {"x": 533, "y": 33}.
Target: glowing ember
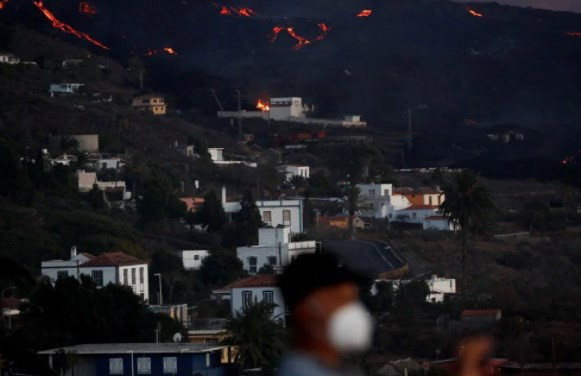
{"x": 87, "y": 9}
{"x": 235, "y": 11}
{"x": 245, "y": 12}
{"x": 474, "y": 13}
{"x": 301, "y": 41}
{"x": 324, "y": 30}
{"x": 3, "y": 3}
{"x": 170, "y": 50}
{"x": 56, "y": 23}
{"x": 225, "y": 11}
{"x": 573, "y": 33}
{"x": 275, "y": 31}
{"x": 263, "y": 106}
{"x": 365, "y": 13}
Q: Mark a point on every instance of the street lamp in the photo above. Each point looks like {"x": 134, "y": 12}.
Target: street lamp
{"x": 158, "y": 275}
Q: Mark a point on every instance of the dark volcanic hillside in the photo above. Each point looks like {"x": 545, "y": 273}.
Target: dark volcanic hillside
{"x": 511, "y": 66}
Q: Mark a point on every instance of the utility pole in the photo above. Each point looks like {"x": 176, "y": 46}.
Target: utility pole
{"x": 141, "y": 79}
{"x": 410, "y": 138}
{"x": 239, "y": 114}
{"x": 217, "y": 100}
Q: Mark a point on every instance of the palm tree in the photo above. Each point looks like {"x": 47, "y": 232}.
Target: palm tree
{"x": 354, "y": 202}
{"x": 467, "y": 206}
{"x": 259, "y": 339}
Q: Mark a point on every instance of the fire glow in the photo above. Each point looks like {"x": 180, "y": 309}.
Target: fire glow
{"x": 365, "y": 13}
{"x": 475, "y": 13}
{"x": 167, "y": 50}
{"x": 3, "y": 4}
{"x": 56, "y": 23}
{"x": 87, "y": 9}
{"x": 301, "y": 41}
{"x": 573, "y": 33}
{"x": 263, "y": 106}
{"x": 170, "y": 50}
{"x": 235, "y": 11}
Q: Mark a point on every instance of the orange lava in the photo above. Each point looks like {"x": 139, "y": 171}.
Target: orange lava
{"x": 3, "y": 3}
{"x": 263, "y": 106}
{"x": 225, "y": 11}
{"x": 235, "y": 11}
{"x": 301, "y": 41}
{"x": 170, "y": 50}
{"x": 475, "y": 13}
{"x": 56, "y": 23}
{"x": 87, "y": 9}
{"x": 245, "y": 12}
{"x": 365, "y": 13}
{"x": 275, "y": 31}
{"x": 324, "y": 30}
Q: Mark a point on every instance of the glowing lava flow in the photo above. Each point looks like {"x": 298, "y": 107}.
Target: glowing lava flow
{"x": 235, "y": 11}
{"x": 301, "y": 41}
{"x": 245, "y": 12}
{"x": 3, "y": 3}
{"x": 225, "y": 11}
{"x": 263, "y": 106}
{"x": 87, "y": 9}
{"x": 170, "y": 50}
{"x": 365, "y": 13}
{"x": 474, "y": 13}
{"x": 573, "y": 33}
{"x": 66, "y": 28}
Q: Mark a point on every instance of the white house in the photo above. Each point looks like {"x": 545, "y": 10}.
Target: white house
{"x": 292, "y": 170}
{"x": 8, "y": 58}
{"x": 64, "y": 160}
{"x": 192, "y": 259}
{"x": 256, "y": 289}
{"x": 439, "y": 287}
{"x": 416, "y": 214}
{"x": 100, "y": 162}
{"x": 284, "y": 109}
{"x": 274, "y": 248}
{"x": 273, "y": 212}
{"x": 64, "y": 89}
{"x": 438, "y": 222}
{"x": 114, "y": 267}
{"x": 377, "y": 198}
{"x": 217, "y": 155}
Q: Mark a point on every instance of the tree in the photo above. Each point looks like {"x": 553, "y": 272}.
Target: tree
{"x": 220, "y": 267}
{"x": 259, "y": 339}
{"x": 248, "y": 220}
{"x": 354, "y": 202}
{"x": 97, "y": 198}
{"x": 211, "y": 214}
{"x": 468, "y": 206}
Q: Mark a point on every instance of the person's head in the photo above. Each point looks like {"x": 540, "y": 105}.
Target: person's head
{"x": 323, "y": 298}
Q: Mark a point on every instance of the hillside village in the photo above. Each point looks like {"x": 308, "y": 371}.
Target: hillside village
{"x": 178, "y": 223}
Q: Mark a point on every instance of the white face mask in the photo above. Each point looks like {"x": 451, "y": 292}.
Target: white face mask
{"x": 350, "y": 329}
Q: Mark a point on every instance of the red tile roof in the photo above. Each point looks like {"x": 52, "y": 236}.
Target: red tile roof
{"x": 256, "y": 281}
{"x": 480, "y": 312}
{"x": 113, "y": 259}
{"x": 88, "y": 255}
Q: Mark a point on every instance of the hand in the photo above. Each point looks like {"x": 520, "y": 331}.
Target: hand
{"x": 472, "y": 355}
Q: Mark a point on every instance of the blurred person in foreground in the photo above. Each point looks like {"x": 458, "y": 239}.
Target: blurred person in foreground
{"x": 329, "y": 321}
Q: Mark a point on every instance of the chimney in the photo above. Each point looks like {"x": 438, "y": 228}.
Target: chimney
{"x": 73, "y": 251}
{"x": 223, "y": 194}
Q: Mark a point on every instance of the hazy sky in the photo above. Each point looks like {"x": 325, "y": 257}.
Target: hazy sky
{"x": 566, "y": 5}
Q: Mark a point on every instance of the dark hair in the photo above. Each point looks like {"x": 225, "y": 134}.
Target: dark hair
{"x": 310, "y": 272}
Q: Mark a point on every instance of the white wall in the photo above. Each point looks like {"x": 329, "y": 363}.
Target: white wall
{"x": 192, "y": 259}
{"x": 439, "y": 287}
{"x": 414, "y": 215}
{"x": 274, "y": 235}
{"x": 257, "y": 294}
{"x": 283, "y": 109}
{"x": 139, "y": 288}
{"x": 378, "y": 197}
{"x": 438, "y": 224}
{"x": 277, "y": 208}
{"x": 216, "y": 154}
{"x": 262, "y": 254}
{"x": 294, "y": 170}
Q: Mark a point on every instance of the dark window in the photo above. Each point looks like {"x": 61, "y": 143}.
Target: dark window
{"x": 268, "y": 296}
{"x": 252, "y": 261}
{"x": 125, "y": 276}
{"x": 141, "y": 275}
{"x": 272, "y": 260}
{"x": 246, "y": 298}
{"x": 97, "y": 276}
{"x": 286, "y": 217}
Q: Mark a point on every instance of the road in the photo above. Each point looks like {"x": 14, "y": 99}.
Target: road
{"x": 368, "y": 257}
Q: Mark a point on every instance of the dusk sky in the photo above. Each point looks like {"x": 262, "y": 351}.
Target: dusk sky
{"x": 565, "y": 5}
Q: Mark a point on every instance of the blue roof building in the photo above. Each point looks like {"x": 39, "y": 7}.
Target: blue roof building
{"x": 132, "y": 359}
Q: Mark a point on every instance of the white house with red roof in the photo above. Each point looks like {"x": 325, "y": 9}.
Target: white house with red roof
{"x": 112, "y": 267}
{"x": 256, "y": 289}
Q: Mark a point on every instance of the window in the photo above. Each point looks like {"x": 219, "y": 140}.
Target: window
{"x": 144, "y": 366}
{"x": 414, "y": 214}
{"x": 286, "y": 217}
{"x": 246, "y": 299}
{"x": 267, "y": 217}
{"x": 430, "y": 200}
{"x": 62, "y": 274}
{"x": 125, "y": 276}
{"x": 133, "y": 279}
{"x": 170, "y": 365}
{"x": 141, "y": 275}
{"x": 252, "y": 261}
{"x": 154, "y": 100}
{"x": 116, "y": 366}
{"x": 207, "y": 360}
{"x": 196, "y": 257}
{"x": 386, "y": 192}
{"x": 371, "y": 192}
{"x": 272, "y": 260}
{"x": 97, "y": 276}
{"x": 268, "y": 296}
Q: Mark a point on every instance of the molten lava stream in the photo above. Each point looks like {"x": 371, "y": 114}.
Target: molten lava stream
{"x": 475, "y": 13}
{"x": 170, "y": 50}
{"x": 275, "y": 31}
{"x": 56, "y": 23}
{"x": 365, "y": 13}
{"x": 324, "y": 30}
{"x": 301, "y": 41}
